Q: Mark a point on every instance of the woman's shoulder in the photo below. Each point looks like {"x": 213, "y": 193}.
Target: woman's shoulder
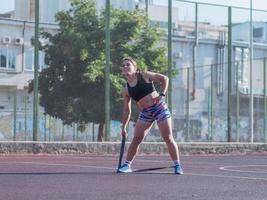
{"x": 147, "y": 75}
{"x": 141, "y": 75}
{"x": 125, "y": 91}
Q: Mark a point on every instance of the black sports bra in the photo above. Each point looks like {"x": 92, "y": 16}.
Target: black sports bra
{"x": 141, "y": 89}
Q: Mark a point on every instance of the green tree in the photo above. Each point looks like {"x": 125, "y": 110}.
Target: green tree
{"x": 72, "y": 87}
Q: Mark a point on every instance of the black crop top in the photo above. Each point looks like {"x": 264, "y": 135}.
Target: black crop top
{"x": 141, "y": 89}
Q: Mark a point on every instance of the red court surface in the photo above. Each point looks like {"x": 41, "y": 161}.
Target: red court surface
{"x": 86, "y": 177}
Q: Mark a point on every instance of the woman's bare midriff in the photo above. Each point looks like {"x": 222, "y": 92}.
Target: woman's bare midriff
{"x": 148, "y": 100}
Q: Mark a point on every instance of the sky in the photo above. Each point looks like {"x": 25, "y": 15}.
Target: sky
{"x": 6, "y": 5}
{"x": 213, "y": 14}
{"x": 257, "y": 4}
{"x": 219, "y": 15}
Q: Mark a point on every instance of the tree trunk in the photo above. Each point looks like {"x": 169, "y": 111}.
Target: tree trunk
{"x": 101, "y": 130}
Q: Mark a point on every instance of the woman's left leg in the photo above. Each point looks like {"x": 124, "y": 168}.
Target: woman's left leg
{"x": 165, "y": 128}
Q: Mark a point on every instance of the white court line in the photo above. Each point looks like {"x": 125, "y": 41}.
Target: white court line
{"x": 115, "y": 158}
{"x": 230, "y": 168}
{"x": 214, "y": 175}
{"x": 59, "y": 164}
{"x": 225, "y": 168}
{"x": 108, "y": 158}
{"x": 223, "y": 176}
{"x": 159, "y": 172}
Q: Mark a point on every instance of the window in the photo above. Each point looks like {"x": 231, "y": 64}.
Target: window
{"x": 3, "y": 58}
{"x": 42, "y": 60}
{"x": 29, "y": 60}
{"x": 12, "y": 59}
{"x": 258, "y": 32}
{"x": 52, "y": 9}
{"x": 8, "y": 58}
{"x": 175, "y": 65}
{"x": 161, "y": 24}
{"x": 241, "y": 56}
{"x": 220, "y": 70}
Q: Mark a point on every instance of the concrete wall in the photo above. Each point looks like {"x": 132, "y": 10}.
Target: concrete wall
{"x": 114, "y": 148}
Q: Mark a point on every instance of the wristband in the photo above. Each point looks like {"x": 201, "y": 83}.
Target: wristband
{"x": 162, "y": 94}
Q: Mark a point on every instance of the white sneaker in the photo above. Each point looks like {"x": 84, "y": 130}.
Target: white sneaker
{"x": 125, "y": 168}
{"x": 178, "y": 169}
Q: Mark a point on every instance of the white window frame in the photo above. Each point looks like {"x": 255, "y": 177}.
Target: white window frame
{"x": 8, "y": 51}
{"x": 42, "y": 64}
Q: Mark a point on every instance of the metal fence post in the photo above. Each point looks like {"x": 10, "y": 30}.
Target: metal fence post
{"x": 107, "y": 72}
{"x": 265, "y": 103}
{"x": 36, "y": 68}
{"x": 229, "y": 125}
{"x": 15, "y": 116}
{"x": 187, "y": 139}
{"x": 170, "y": 54}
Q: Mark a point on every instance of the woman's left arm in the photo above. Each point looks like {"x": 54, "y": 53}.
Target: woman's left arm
{"x": 157, "y": 77}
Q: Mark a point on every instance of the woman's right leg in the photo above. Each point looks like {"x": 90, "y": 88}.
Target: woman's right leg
{"x": 140, "y": 130}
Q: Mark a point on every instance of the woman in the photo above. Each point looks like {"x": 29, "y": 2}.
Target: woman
{"x": 140, "y": 87}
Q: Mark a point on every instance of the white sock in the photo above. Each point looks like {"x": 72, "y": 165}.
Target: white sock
{"x": 128, "y": 162}
{"x": 176, "y": 162}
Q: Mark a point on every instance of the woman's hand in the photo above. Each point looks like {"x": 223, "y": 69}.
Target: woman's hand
{"x": 157, "y": 99}
{"x": 124, "y": 133}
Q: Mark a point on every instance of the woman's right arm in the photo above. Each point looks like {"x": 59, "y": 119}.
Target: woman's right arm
{"x": 126, "y": 114}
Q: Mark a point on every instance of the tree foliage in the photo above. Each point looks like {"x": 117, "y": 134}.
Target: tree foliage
{"x": 72, "y": 87}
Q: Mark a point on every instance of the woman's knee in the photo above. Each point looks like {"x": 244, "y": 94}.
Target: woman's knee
{"x": 168, "y": 139}
{"x": 137, "y": 139}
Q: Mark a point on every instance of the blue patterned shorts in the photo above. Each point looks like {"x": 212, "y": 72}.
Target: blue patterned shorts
{"x": 158, "y": 112}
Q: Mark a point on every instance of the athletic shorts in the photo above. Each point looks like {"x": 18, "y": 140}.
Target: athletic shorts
{"x": 158, "y": 112}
